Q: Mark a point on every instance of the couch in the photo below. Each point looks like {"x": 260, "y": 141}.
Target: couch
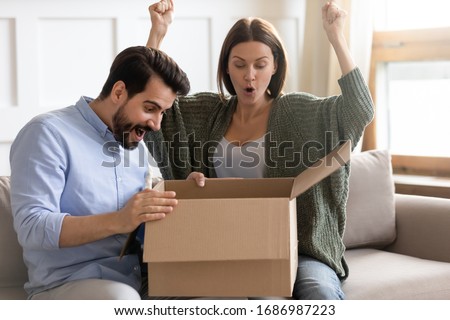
{"x": 397, "y": 245}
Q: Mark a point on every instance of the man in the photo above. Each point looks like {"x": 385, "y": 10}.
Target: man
{"x": 77, "y": 180}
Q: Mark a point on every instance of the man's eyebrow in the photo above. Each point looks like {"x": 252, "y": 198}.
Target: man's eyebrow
{"x": 156, "y": 104}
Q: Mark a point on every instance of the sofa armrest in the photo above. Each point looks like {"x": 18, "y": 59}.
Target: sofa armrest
{"x": 423, "y": 227}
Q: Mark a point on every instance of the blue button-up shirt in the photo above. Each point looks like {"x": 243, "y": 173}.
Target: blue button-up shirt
{"x": 67, "y": 162}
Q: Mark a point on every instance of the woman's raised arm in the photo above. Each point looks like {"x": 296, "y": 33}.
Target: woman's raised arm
{"x": 161, "y": 16}
{"x": 333, "y": 19}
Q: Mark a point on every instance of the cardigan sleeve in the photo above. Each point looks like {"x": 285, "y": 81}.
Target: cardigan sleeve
{"x": 343, "y": 117}
{"x": 355, "y": 108}
{"x": 184, "y": 129}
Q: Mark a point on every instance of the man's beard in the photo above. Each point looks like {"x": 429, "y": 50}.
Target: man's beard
{"x": 122, "y": 127}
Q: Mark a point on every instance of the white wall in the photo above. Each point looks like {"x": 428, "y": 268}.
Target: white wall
{"x": 54, "y": 51}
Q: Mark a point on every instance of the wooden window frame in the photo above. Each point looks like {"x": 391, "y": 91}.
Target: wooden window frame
{"x": 408, "y": 45}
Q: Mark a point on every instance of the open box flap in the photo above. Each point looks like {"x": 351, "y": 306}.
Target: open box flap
{"x": 321, "y": 169}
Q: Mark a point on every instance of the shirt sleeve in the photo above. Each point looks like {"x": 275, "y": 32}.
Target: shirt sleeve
{"x": 38, "y": 165}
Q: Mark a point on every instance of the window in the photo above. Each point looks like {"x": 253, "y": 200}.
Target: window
{"x": 417, "y": 109}
{"x": 410, "y": 83}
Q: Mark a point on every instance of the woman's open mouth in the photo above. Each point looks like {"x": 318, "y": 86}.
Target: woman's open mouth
{"x": 249, "y": 90}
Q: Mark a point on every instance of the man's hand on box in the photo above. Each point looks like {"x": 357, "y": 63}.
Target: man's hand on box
{"x": 147, "y": 205}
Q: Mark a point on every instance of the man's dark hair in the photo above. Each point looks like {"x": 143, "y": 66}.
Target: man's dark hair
{"x": 136, "y": 65}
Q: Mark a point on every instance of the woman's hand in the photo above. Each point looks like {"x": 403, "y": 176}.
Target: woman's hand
{"x": 333, "y": 20}
{"x": 161, "y": 16}
{"x": 198, "y": 177}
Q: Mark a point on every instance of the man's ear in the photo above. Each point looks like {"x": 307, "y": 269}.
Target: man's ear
{"x": 119, "y": 92}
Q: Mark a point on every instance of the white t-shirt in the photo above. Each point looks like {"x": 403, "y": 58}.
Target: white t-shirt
{"x": 246, "y": 161}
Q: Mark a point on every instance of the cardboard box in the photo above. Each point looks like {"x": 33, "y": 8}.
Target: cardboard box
{"x": 233, "y": 237}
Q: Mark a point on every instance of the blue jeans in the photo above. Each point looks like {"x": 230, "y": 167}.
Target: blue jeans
{"x": 316, "y": 281}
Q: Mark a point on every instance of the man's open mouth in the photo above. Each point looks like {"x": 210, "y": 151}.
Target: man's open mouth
{"x": 140, "y": 132}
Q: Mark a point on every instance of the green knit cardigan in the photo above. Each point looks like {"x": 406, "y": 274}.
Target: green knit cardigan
{"x": 302, "y": 129}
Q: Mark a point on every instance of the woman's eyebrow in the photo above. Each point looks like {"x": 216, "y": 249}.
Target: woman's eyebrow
{"x": 263, "y": 57}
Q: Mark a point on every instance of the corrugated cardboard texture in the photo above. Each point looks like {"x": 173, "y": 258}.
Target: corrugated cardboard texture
{"x": 224, "y": 248}
{"x": 233, "y": 237}
{"x": 322, "y": 169}
{"x": 230, "y": 188}
{"x": 221, "y": 230}
{"x": 255, "y": 278}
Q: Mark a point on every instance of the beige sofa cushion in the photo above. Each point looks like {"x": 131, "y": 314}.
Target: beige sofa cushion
{"x": 371, "y": 205}
{"x": 12, "y": 268}
{"x": 377, "y": 274}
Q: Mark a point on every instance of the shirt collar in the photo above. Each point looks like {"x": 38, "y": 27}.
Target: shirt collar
{"x": 91, "y": 117}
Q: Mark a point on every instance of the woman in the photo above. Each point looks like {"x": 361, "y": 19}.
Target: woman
{"x": 258, "y": 131}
